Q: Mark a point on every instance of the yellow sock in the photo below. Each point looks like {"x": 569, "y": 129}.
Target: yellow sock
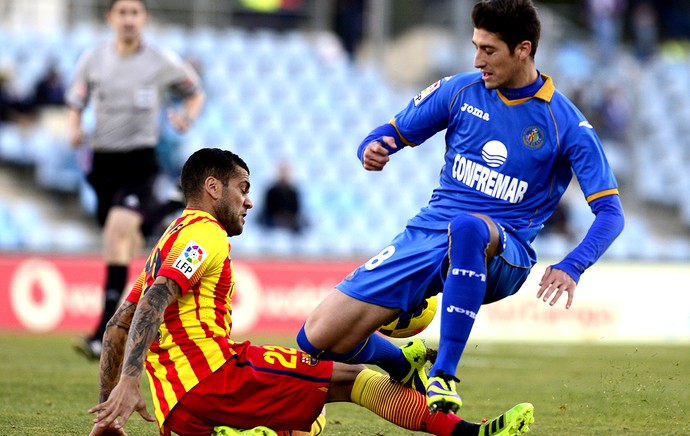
{"x": 390, "y": 400}
{"x": 402, "y": 406}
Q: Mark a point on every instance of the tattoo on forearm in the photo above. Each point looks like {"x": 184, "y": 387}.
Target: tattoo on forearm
{"x": 147, "y": 320}
{"x": 114, "y": 342}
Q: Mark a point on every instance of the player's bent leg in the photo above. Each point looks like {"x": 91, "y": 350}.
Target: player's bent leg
{"x": 322, "y": 335}
{"x": 514, "y": 422}
{"x": 470, "y": 239}
{"x": 323, "y": 327}
{"x": 404, "y": 365}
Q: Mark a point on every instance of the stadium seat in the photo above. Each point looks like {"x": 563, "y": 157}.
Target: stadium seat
{"x": 10, "y": 238}
{"x": 12, "y": 147}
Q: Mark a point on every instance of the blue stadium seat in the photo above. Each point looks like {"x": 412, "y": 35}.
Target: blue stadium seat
{"x": 58, "y": 169}
{"x": 12, "y": 147}
{"x": 74, "y": 238}
{"x": 10, "y": 238}
{"x": 34, "y": 230}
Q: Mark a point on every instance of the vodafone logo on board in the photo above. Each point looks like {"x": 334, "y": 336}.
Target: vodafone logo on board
{"x": 41, "y": 298}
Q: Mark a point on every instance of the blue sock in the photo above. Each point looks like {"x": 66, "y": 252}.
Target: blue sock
{"x": 464, "y": 290}
{"x": 375, "y": 350}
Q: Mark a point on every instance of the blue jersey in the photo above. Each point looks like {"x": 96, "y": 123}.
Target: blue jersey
{"x": 509, "y": 159}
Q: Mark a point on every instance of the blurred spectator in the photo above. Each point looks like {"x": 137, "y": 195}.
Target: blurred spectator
{"x": 645, "y": 30}
{"x": 13, "y": 108}
{"x": 349, "y": 24}
{"x": 615, "y": 114}
{"x": 605, "y": 19}
{"x": 282, "y": 207}
{"x": 5, "y": 99}
{"x": 50, "y": 89}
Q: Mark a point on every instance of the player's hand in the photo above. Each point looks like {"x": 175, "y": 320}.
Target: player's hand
{"x": 376, "y": 156}
{"x": 555, "y": 282}
{"x": 76, "y": 138}
{"x": 108, "y": 431}
{"x": 180, "y": 120}
{"x": 122, "y": 402}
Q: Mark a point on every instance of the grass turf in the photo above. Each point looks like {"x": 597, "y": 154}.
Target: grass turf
{"x": 46, "y": 388}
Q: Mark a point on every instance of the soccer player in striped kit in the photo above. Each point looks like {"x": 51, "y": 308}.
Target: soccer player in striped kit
{"x": 125, "y": 79}
{"x": 513, "y": 143}
{"x": 176, "y": 322}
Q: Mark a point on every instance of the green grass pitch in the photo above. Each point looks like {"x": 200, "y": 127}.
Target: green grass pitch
{"x": 46, "y": 388}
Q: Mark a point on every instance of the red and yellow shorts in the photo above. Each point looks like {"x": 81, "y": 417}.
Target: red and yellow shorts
{"x": 278, "y": 387}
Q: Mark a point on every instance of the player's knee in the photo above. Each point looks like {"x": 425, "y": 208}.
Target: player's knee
{"x": 468, "y": 231}
{"x": 347, "y": 372}
{"x": 304, "y": 344}
{"x": 343, "y": 382}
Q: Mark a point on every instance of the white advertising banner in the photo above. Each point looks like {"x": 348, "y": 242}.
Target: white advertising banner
{"x": 614, "y": 302}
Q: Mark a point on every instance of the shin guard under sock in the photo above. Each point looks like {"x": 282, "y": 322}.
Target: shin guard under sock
{"x": 463, "y": 291}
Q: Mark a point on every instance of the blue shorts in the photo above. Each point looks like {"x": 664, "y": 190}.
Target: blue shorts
{"x": 415, "y": 266}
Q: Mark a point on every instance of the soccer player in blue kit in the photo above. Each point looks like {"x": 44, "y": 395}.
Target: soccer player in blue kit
{"x": 513, "y": 143}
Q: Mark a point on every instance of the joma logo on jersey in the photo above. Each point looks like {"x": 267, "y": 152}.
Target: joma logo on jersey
{"x": 475, "y": 111}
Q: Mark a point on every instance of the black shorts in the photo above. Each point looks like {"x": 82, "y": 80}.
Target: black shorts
{"x": 126, "y": 179}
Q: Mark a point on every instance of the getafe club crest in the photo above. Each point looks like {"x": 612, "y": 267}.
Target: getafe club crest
{"x": 533, "y": 137}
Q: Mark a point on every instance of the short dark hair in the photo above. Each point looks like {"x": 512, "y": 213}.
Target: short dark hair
{"x": 514, "y": 21}
{"x": 208, "y": 162}
{"x": 112, "y": 3}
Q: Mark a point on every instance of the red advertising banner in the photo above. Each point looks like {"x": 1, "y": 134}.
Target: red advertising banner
{"x": 54, "y": 293}
{"x": 41, "y": 294}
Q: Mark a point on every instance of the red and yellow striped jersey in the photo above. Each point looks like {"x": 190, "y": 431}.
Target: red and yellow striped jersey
{"x": 194, "y": 337}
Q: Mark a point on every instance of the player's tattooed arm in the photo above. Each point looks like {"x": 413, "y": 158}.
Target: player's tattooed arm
{"x": 113, "y": 347}
{"x": 146, "y": 322}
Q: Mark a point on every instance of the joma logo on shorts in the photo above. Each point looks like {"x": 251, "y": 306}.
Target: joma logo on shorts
{"x": 475, "y": 111}
{"x": 461, "y": 311}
